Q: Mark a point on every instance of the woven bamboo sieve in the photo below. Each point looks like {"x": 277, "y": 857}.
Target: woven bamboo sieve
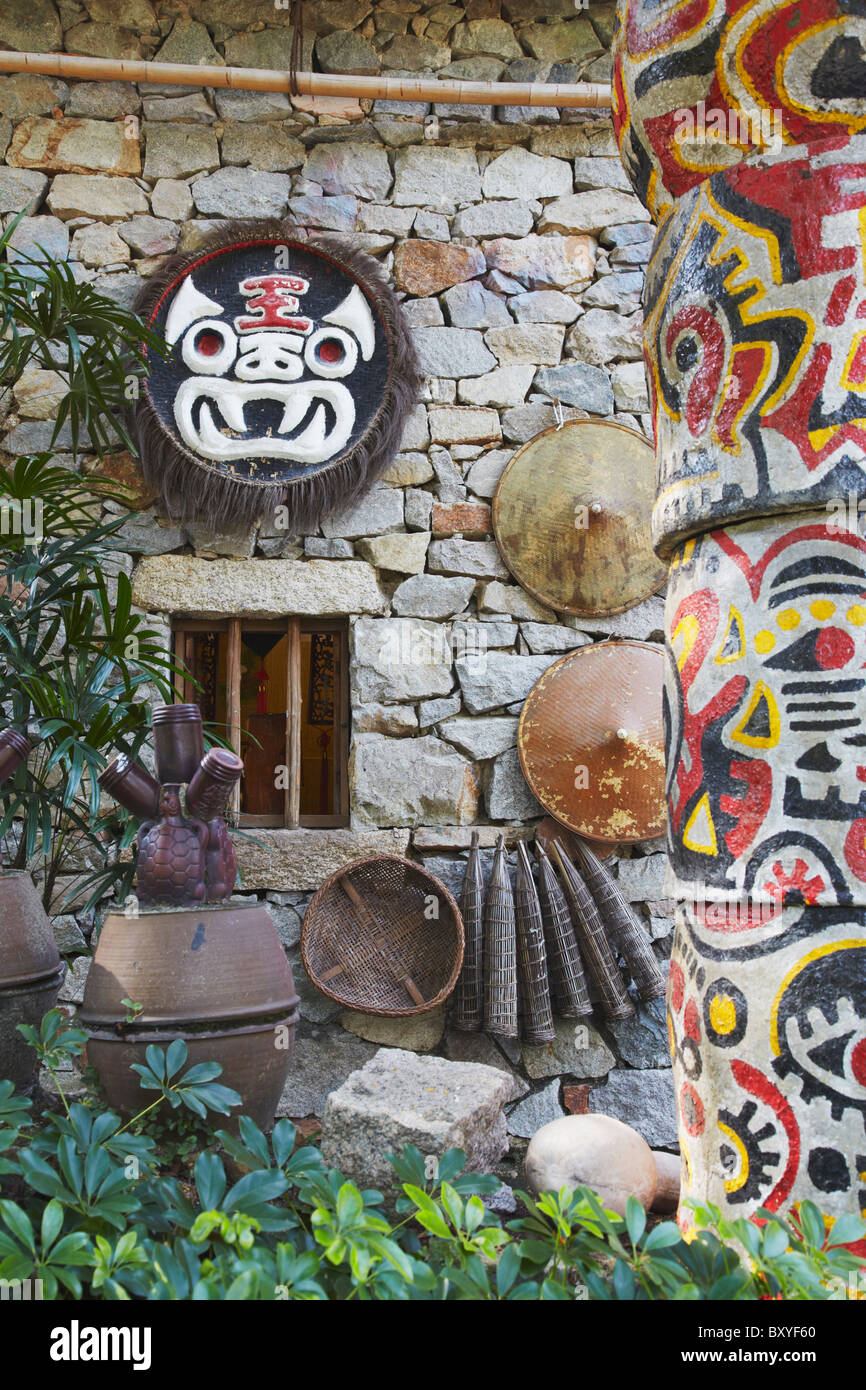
{"x": 531, "y": 956}
{"x": 370, "y": 942}
{"x": 567, "y": 980}
{"x": 500, "y": 950}
{"x": 620, "y": 921}
{"x": 469, "y": 994}
{"x": 594, "y": 944}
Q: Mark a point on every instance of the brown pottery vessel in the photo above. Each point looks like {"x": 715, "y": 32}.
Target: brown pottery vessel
{"x": 215, "y": 976}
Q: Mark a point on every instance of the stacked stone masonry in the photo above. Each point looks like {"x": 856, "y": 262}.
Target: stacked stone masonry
{"x": 518, "y": 252}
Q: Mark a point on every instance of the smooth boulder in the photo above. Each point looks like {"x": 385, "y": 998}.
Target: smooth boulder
{"x": 668, "y": 1170}
{"x": 595, "y": 1151}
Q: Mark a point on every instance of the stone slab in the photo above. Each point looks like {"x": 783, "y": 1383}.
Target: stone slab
{"x": 256, "y": 588}
{"x": 300, "y": 860}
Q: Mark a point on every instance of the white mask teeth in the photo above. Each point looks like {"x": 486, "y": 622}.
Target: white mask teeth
{"x": 316, "y": 433}
{"x": 294, "y": 409}
{"x": 208, "y": 432}
{"x": 200, "y": 398}
{"x": 232, "y": 408}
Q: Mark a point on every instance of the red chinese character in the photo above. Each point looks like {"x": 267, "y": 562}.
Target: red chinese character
{"x": 273, "y": 303}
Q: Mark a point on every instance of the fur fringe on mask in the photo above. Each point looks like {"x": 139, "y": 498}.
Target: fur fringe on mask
{"x": 190, "y": 489}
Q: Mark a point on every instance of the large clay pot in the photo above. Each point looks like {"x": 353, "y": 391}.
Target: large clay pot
{"x": 215, "y": 976}
{"x": 31, "y": 973}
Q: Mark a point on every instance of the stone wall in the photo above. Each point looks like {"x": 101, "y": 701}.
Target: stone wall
{"x": 518, "y": 250}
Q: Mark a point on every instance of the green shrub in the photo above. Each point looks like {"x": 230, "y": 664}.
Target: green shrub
{"x": 77, "y": 663}
{"x": 90, "y": 1208}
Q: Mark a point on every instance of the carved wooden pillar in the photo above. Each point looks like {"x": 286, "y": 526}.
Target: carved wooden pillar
{"x": 737, "y": 124}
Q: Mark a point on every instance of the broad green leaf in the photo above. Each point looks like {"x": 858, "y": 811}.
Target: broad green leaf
{"x": 846, "y": 1229}
{"x": 775, "y": 1241}
{"x": 283, "y": 1141}
{"x": 663, "y": 1236}
{"x": 452, "y": 1162}
{"x": 635, "y": 1219}
{"x": 349, "y": 1204}
{"x": 507, "y": 1269}
{"x": 434, "y": 1222}
{"x": 175, "y": 1058}
{"x": 453, "y": 1205}
{"x": 812, "y": 1224}
{"x": 52, "y": 1223}
{"x": 210, "y": 1180}
{"x": 551, "y": 1291}
{"x": 18, "y": 1222}
{"x": 623, "y": 1281}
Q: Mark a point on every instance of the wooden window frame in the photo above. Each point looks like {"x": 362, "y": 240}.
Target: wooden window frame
{"x": 294, "y": 627}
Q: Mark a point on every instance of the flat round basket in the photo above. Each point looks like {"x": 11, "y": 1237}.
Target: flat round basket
{"x": 383, "y": 936}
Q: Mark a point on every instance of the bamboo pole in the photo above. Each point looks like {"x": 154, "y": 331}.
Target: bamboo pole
{"x": 293, "y": 726}
{"x": 591, "y": 95}
{"x": 233, "y": 702}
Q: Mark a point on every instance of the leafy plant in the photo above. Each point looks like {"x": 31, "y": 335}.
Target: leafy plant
{"x": 197, "y": 1088}
{"x": 51, "y": 321}
{"x": 89, "y": 1208}
{"x": 133, "y": 1009}
{"x": 54, "y": 1043}
{"x": 77, "y": 664}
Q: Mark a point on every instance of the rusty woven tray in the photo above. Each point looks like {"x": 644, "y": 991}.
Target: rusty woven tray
{"x": 571, "y": 516}
{"x": 591, "y": 741}
{"x": 550, "y": 829}
{"x": 371, "y": 942}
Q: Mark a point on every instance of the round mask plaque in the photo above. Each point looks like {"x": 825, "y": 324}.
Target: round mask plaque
{"x": 288, "y": 375}
{"x": 571, "y": 517}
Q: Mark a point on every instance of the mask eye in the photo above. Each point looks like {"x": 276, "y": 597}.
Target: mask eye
{"x": 330, "y": 352}
{"x": 208, "y": 343}
{"x": 209, "y": 347}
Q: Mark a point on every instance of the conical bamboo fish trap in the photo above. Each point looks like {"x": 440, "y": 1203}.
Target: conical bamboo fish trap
{"x": 567, "y": 980}
{"x": 500, "y": 950}
{"x": 593, "y": 940}
{"x": 469, "y": 995}
{"x": 622, "y": 925}
{"x": 531, "y": 956}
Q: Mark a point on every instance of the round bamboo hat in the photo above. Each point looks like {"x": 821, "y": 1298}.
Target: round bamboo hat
{"x": 591, "y": 741}
{"x": 571, "y": 516}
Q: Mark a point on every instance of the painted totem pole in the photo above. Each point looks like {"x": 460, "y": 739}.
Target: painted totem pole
{"x": 738, "y": 125}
